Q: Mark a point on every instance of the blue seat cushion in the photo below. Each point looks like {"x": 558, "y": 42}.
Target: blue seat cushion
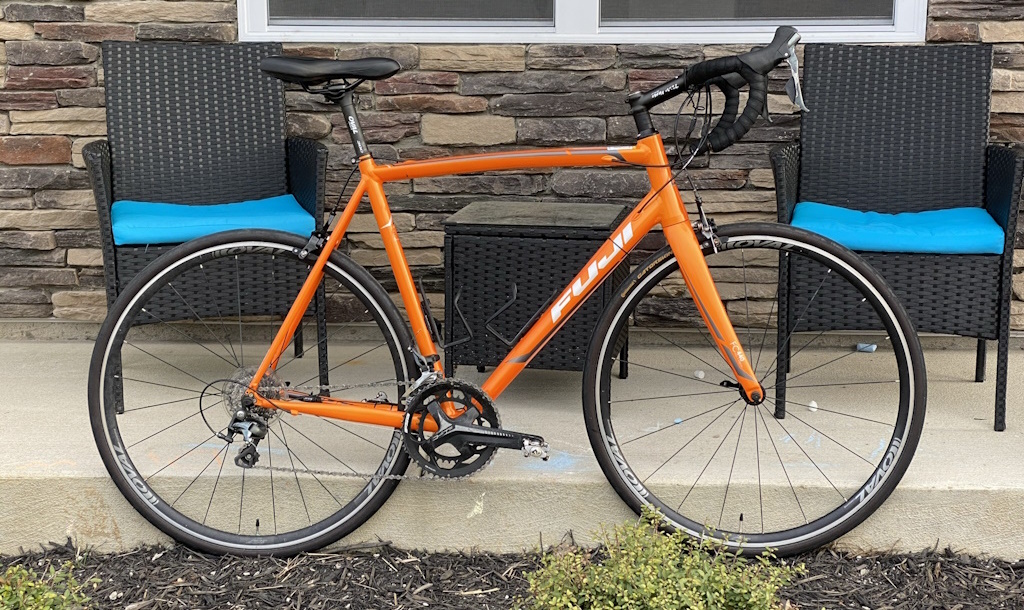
{"x": 147, "y": 222}
{"x": 949, "y": 231}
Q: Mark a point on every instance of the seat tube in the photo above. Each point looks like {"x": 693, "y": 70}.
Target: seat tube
{"x": 348, "y": 109}
{"x": 701, "y": 285}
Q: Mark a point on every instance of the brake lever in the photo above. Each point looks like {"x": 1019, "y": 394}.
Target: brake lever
{"x": 796, "y": 95}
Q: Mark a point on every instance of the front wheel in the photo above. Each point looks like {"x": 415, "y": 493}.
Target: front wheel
{"x": 169, "y": 371}
{"x": 844, "y": 378}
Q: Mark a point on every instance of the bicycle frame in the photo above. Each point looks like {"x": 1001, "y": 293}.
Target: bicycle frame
{"x": 662, "y": 205}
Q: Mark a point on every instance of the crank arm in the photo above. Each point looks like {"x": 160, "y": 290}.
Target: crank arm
{"x": 461, "y": 434}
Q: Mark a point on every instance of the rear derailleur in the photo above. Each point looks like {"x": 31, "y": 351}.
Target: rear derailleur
{"x": 253, "y": 429}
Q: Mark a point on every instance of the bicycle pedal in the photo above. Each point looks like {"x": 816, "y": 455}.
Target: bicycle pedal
{"x": 535, "y": 446}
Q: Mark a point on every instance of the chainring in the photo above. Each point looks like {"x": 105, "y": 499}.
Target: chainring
{"x": 448, "y": 460}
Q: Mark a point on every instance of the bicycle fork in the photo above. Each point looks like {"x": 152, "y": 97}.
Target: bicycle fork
{"x": 697, "y": 275}
{"x": 682, "y": 238}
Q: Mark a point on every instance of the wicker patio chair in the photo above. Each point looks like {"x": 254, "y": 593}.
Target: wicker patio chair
{"x": 200, "y": 124}
{"x": 905, "y": 129}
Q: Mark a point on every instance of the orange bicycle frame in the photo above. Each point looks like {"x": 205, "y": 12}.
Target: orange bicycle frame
{"x": 662, "y": 205}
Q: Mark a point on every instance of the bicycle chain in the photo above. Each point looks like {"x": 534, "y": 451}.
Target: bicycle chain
{"x": 355, "y": 475}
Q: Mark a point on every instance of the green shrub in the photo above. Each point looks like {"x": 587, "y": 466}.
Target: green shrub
{"x": 22, "y": 588}
{"x": 642, "y": 568}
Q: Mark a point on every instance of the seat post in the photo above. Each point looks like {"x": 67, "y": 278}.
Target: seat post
{"x": 352, "y": 122}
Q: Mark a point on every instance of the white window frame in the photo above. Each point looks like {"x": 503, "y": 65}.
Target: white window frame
{"x": 578, "y": 21}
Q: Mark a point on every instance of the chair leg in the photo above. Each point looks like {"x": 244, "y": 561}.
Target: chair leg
{"x": 320, "y": 305}
{"x": 1001, "y": 372}
{"x": 624, "y": 361}
{"x": 297, "y": 342}
{"x": 979, "y": 364}
{"x": 782, "y": 344}
{"x": 115, "y": 386}
{"x": 781, "y": 369}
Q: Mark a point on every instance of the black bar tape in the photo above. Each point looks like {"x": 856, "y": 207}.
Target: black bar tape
{"x": 717, "y": 137}
{"x": 728, "y": 132}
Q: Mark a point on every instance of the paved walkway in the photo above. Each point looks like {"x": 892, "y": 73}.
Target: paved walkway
{"x": 964, "y": 489}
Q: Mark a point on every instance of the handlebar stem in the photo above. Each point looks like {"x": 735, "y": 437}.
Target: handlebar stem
{"x": 641, "y": 115}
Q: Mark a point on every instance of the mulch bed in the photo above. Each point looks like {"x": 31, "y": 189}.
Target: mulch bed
{"x": 380, "y": 576}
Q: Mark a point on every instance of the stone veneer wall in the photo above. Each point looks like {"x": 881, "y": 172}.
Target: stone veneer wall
{"x": 449, "y": 98}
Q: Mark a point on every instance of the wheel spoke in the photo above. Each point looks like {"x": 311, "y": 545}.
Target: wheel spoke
{"x": 175, "y": 460}
{"x": 215, "y": 483}
{"x": 205, "y": 325}
{"x": 312, "y": 474}
{"x": 212, "y": 460}
{"x": 785, "y": 342}
{"x": 319, "y": 446}
{"x": 273, "y": 495}
{"x": 651, "y": 368}
{"x": 625, "y": 400}
{"x": 288, "y": 450}
{"x": 171, "y": 402}
{"x": 179, "y": 369}
{"x": 768, "y": 433}
{"x": 356, "y": 357}
{"x": 182, "y": 420}
{"x": 238, "y": 301}
{"x": 764, "y": 335}
{"x": 192, "y": 339}
{"x": 681, "y": 422}
{"x": 340, "y": 427}
{"x": 711, "y": 459}
{"x": 757, "y": 453}
{"x": 802, "y": 450}
{"x": 338, "y": 328}
{"x": 241, "y": 500}
{"x": 220, "y": 316}
{"x": 678, "y": 451}
{"x": 162, "y": 385}
{"x": 790, "y": 401}
{"x": 851, "y": 451}
{"x": 728, "y": 482}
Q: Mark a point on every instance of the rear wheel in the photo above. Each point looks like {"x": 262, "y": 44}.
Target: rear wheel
{"x": 170, "y": 368}
{"x": 843, "y": 409}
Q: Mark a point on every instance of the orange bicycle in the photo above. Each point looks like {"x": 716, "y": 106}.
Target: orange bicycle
{"x": 743, "y": 417}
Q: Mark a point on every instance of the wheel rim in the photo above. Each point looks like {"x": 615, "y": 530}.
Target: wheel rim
{"x": 716, "y": 466}
{"x": 176, "y": 366}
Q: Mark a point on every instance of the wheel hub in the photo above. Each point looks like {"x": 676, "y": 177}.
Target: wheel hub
{"x": 233, "y": 391}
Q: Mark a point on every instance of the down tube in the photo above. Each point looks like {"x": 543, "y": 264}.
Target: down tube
{"x": 639, "y": 222}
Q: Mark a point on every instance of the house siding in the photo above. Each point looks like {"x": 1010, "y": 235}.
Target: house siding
{"x": 448, "y": 99}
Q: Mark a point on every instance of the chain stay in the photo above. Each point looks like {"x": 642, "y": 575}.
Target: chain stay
{"x": 355, "y": 475}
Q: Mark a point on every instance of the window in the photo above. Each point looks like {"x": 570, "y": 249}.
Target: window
{"x": 598, "y": 21}
{"x": 389, "y": 11}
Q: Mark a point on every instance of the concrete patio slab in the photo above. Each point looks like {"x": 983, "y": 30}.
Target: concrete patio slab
{"x": 964, "y": 488}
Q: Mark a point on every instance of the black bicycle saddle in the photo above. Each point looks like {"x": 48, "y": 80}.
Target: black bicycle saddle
{"x": 310, "y": 71}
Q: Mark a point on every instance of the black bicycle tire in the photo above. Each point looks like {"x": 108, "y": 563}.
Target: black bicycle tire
{"x": 280, "y": 548}
{"x": 662, "y": 263}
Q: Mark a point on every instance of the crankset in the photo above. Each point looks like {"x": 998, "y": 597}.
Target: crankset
{"x": 469, "y": 430}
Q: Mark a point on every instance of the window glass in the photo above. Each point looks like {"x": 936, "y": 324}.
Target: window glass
{"x": 689, "y": 10}
{"x": 436, "y": 10}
